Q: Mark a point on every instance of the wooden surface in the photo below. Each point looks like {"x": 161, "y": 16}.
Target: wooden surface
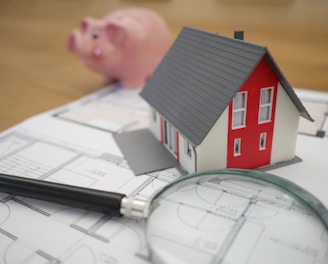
{"x": 37, "y": 73}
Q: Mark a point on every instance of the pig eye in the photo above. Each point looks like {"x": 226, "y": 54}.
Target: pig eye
{"x": 95, "y": 34}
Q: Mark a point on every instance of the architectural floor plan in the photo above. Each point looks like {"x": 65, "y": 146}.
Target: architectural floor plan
{"x": 113, "y": 110}
{"x": 74, "y": 145}
{"x": 233, "y": 220}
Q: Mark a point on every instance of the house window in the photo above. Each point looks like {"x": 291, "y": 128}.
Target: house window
{"x": 237, "y": 146}
{"x": 262, "y": 143}
{"x": 265, "y": 105}
{"x": 239, "y": 110}
{"x": 188, "y": 148}
{"x": 154, "y": 115}
{"x": 170, "y": 137}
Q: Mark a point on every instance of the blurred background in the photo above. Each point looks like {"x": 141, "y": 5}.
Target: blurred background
{"x": 37, "y": 73}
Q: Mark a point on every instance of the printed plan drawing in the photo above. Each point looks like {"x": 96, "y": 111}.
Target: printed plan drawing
{"x": 239, "y": 222}
{"x": 74, "y": 145}
{"x": 33, "y": 228}
{"x": 114, "y": 111}
{"x": 317, "y": 104}
{"x": 53, "y": 149}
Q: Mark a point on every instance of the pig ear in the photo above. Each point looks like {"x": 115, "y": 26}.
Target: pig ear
{"x": 115, "y": 33}
{"x": 85, "y": 23}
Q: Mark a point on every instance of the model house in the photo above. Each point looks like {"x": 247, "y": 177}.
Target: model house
{"x": 220, "y": 102}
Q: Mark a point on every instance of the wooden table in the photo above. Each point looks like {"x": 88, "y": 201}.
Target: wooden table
{"x": 37, "y": 73}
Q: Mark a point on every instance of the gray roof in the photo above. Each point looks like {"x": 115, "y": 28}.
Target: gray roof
{"x": 200, "y": 75}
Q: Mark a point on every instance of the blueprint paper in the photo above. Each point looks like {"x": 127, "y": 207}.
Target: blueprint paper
{"x": 53, "y": 149}
{"x": 115, "y": 111}
{"x": 317, "y": 104}
{"x": 67, "y": 145}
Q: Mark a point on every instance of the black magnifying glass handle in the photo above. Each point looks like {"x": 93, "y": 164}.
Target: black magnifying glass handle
{"x": 113, "y": 203}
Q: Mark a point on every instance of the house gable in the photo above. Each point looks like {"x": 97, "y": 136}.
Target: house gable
{"x": 250, "y": 154}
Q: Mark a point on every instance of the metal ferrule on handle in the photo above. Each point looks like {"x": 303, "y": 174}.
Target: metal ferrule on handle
{"x": 132, "y": 207}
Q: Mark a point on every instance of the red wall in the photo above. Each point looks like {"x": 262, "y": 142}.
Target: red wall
{"x": 251, "y": 157}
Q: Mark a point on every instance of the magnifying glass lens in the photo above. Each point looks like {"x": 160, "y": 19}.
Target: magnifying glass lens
{"x": 231, "y": 218}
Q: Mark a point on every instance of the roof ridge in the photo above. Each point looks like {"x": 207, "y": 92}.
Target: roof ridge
{"x": 243, "y": 42}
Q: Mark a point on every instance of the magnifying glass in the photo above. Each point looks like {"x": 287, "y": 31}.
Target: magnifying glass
{"x": 220, "y": 216}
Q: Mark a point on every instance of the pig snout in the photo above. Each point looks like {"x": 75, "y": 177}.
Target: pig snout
{"x": 84, "y": 49}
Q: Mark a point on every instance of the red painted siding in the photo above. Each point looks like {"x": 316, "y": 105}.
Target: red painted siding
{"x": 163, "y": 135}
{"x": 177, "y": 147}
{"x": 250, "y": 155}
{"x": 162, "y": 129}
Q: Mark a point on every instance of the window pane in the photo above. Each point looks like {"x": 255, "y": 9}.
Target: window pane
{"x": 239, "y": 101}
{"x": 262, "y": 141}
{"x": 238, "y": 118}
{"x": 236, "y": 147}
{"x": 265, "y": 113}
{"x": 239, "y": 110}
{"x": 265, "y": 105}
{"x": 266, "y": 96}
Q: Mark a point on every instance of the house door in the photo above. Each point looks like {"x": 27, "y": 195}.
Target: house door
{"x": 170, "y": 138}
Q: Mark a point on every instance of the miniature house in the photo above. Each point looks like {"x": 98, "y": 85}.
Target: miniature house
{"x": 219, "y": 102}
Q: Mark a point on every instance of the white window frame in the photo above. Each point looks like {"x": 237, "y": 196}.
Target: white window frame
{"x": 239, "y": 110}
{"x": 265, "y": 105}
{"x": 237, "y": 152}
{"x": 264, "y": 136}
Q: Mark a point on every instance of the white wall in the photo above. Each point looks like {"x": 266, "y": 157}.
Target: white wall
{"x": 212, "y": 153}
{"x": 285, "y": 128}
{"x": 154, "y": 123}
{"x": 187, "y": 162}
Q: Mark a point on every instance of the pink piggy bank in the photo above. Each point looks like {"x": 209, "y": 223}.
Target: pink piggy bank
{"x": 126, "y": 45}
